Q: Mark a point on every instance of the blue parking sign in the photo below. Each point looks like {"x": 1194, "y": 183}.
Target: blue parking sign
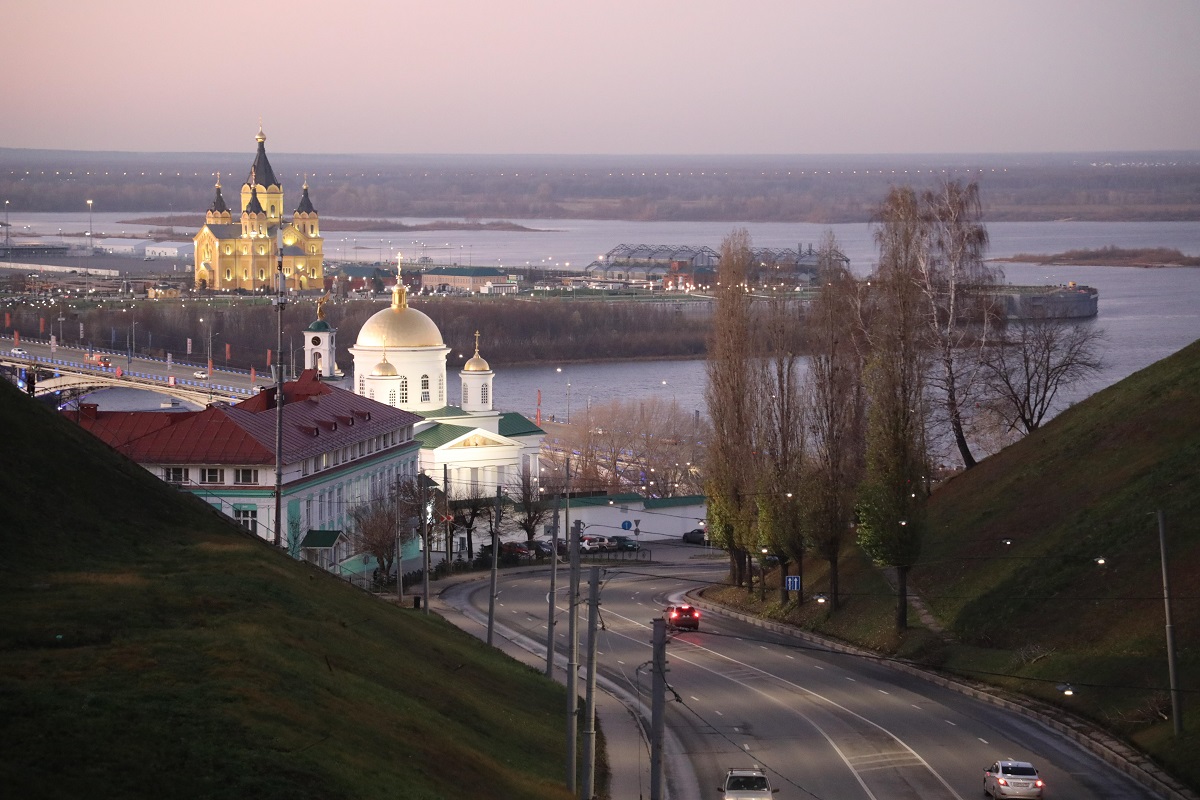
{"x": 793, "y": 583}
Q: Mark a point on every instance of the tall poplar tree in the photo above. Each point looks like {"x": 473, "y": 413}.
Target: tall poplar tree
{"x": 892, "y": 496}
{"x": 729, "y": 395}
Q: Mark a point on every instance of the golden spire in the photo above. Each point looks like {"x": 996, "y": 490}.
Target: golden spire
{"x": 399, "y": 294}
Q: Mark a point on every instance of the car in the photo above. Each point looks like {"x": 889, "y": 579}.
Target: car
{"x": 548, "y": 544}
{"x": 541, "y": 548}
{"x": 624, "y": 543}
{"x": 509, "y": 552}
{"x": 745, "y": 784}
{"x": 695, "y": 536}
{"x": 682, "y": 616}
{"x": 18, "y": 351}
{"x": 1012, "y": 779}
{"x": 201, "y": 374}
{"x": 105, "y": 361}
{"x": 593, "y": 544}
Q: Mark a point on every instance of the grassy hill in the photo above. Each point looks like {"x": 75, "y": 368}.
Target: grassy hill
{"x": 148, "y": 648}
{"x": 1039, "y": 611}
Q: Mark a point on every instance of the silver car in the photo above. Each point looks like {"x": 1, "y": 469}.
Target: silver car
{"x": 1012, "y": 779}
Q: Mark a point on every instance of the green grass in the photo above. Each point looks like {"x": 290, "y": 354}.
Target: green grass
{"x": 1040, "y": 611}
{"x": 149, "y": 648}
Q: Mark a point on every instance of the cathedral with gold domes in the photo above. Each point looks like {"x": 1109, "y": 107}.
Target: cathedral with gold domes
{"x": 399, "y": 359}
{"x": 243, "y": 255}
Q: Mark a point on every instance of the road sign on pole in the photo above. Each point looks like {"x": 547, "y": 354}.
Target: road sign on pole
{"x": 793, "y": 583}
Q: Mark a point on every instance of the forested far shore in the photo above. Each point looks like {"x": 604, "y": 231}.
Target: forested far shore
{"x": 1111, "y": 257}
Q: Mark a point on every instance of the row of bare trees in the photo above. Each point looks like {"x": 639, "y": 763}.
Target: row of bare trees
{"x": 903, "y": 368}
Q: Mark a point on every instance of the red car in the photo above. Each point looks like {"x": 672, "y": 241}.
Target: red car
{"x": 683, "y": 616}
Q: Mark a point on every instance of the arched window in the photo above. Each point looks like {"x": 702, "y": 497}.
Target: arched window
{"x": 483, "y": 394}
{"x": 228, "y": 274}
{"x": 424, "y": 388}
{"x": 466, "y": 396}
{"x": 403, "y": 391}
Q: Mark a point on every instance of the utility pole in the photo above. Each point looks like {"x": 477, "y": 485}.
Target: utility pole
{"x": 446, "y": 516}
{"x": 551, "y": 601}
{"x": 280, "y": 301}
{"x": 1172, "y": 675}
{"x": 573, "y": 658}
{"x": 495, "y": 568}
{"x": 658, "y": 708}
{"x": 589, "y": 729}
{"x": 424, "y": 540}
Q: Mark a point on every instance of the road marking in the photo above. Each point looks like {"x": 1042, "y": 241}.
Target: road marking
{"x": 980, "y": 738}
{"x": 881, "y": 691}
{"x": 697, "y": 699}
{"x": 847, "y": 677}
{"x": 793, "y": 658}
{"x": 719, "y": 714}
{"x": 764, "y": 647}
{"x": 955, "y": 724}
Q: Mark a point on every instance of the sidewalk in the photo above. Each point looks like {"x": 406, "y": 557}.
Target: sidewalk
{"x": 626, "y": 745}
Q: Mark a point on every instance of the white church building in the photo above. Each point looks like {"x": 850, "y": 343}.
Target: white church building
{"x": 399, "y": 359}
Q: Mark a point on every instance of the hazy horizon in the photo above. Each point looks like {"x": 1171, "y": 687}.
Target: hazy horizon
{"x": 698, "y": 78}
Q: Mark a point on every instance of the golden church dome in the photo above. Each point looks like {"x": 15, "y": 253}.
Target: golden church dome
{"x": 384, "y": 369}
{"x": 399, "y": 326}
{"x": 476, "y": 363}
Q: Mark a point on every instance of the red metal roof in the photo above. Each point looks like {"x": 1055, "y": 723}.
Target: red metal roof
{"x": 317, "y": 418}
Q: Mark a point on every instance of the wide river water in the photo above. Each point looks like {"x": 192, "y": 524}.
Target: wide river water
{"x": 1147, "y": 314}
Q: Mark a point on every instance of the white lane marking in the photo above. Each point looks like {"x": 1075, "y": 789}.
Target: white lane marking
{"x": 980, "y": 738}
{"x": 697, "y": 699}
{"x": 948, "y": 722}
{"x": 793, "y": 658}
{"x": 847, "y": 677}
{"x": 881, "y": 691}
{"x": 719, "y": 714}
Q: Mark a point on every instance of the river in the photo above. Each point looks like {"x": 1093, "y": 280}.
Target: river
{"x": 1147, "y": 314}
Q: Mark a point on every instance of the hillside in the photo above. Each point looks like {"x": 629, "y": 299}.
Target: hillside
{"x": 149, "y": 648}
{"x": 1037, "y": 612}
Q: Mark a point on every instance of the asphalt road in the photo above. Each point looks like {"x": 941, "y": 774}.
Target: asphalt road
{"x": 823, "y": 724}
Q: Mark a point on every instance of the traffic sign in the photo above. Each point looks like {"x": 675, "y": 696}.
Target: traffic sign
{"x": 792, "y": 583}
{"x": 626, "y": 525}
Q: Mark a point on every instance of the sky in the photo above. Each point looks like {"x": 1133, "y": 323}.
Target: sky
{"x": 603, "y": 76}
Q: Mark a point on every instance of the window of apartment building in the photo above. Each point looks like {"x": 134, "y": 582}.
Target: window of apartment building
{"x": 212, "y": 475}
{"x": 175, "y": 474}
{"x": 245, "y": 476}
{"x": 246, "y": 517}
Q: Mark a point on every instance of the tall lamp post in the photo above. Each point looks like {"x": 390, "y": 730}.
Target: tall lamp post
{"x": 280, "y": 301}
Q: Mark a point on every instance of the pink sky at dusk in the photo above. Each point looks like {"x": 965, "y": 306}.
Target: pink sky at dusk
{"x": 620, "y": 76}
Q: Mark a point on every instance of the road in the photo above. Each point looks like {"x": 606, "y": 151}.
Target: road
{"x": 823, "y": 724}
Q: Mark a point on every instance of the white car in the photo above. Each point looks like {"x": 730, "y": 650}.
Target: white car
{"x": 746, "y": 784}
{"x": 1012, "y": 779}
{"x": 201, "y": 374}
{"x": 18, "y": 351}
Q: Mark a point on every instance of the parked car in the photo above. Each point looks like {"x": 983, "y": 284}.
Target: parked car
{"x": 104, "y": 361}
{"x": 563, "y": 549}
{"x": 695, "y": 536}
{"x": 18, "y": 351}
{"x": 682, "y": 616}
{"x": 593, "y": 544}
{"x": 541, "y": 548}
{"x": 746, "y": 784}
{"x": 201, "y": 374}
{"x": 1012, "y": 779}
{"x": 624, "y": 543}
{"x": 509, "y": 551}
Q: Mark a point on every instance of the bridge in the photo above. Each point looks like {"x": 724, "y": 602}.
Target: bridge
{"x": 71, "y": 372}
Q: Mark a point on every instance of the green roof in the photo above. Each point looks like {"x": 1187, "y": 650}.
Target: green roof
{"x": 474, "y": 272}
{"x": 318, "y": 325}
{"x": 675, "y": 502}
{"x": 445, "y": 412}
{"x": 515, "y": 424}
{"x": 606, "y": 499}
{"x": 320, "y": 538}
{"x": 440, "y": 434}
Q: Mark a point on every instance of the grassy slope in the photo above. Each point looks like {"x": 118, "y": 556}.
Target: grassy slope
{"x": 1040, "y": 611}
{"x": 149, "y": 648}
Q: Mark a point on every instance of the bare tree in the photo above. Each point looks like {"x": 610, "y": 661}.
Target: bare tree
{"x": 1033, "y": 361}
{"x": 730, "y": 397}
{"x": 468, "y": 505}
{"x": 532, "y": 502}
{"x": 956, "y": 285}
{"x": 378, "y": 525}
{"x": 836, "y": 411}
{"x": 892, "y": 495}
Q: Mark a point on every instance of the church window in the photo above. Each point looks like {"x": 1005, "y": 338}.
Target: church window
{"x": 392, "y": 398}
{"x": 403, "y": 391}
{"x": 371, "y": 395}
{"x": 312, "y": 248}
{"x": 272, "y": 210}
{"x": 441, "y": 388}
{"x": 208, "y": 252}
{"x": 262, "y": 274}
{"x": 466, "y": 398}
{"x": 228, "y": 249}
{"x": 228, "y": 274}
{"x": 362, "y": 385}
{"x": 262, "y": 251}
{"x": 483, "y": 394}
{"x": 424, "y": 388}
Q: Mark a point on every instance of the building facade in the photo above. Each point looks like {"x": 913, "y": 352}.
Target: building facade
{"x": 243, "y": 254}
{"x": 339, "y": 450}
